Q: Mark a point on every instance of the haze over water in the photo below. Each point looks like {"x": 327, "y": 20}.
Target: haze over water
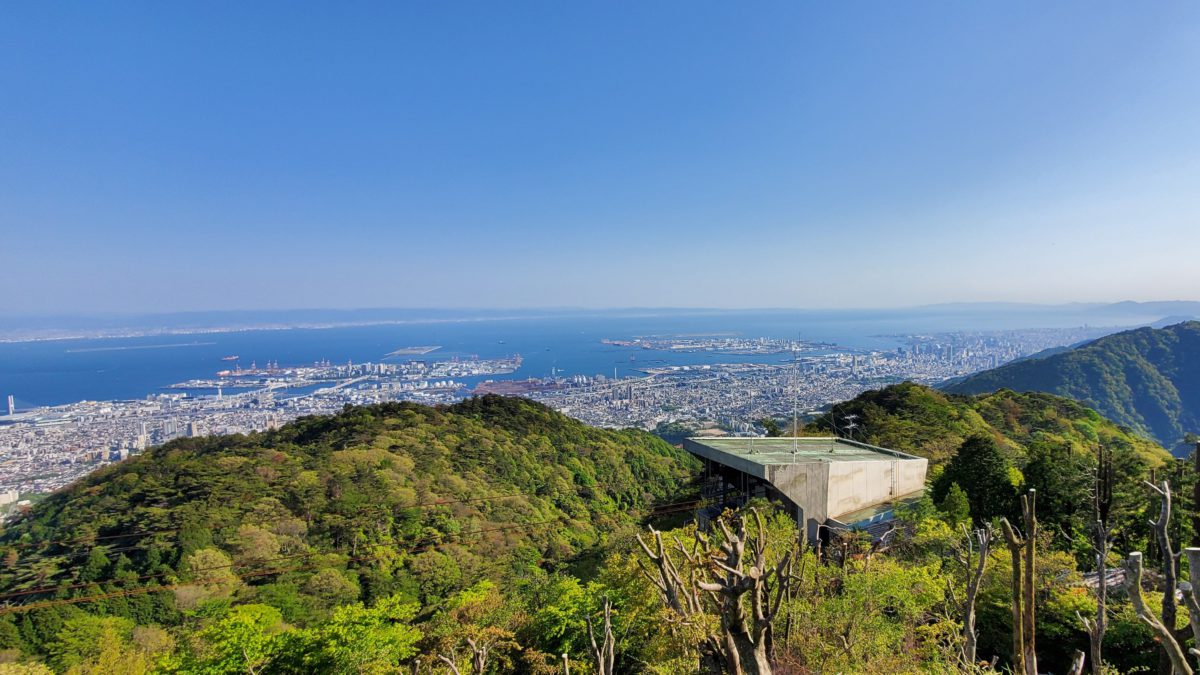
{"x": 53, "y": 372}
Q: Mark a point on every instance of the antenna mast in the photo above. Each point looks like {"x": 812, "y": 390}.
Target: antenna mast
{"x": 795, "y": 398}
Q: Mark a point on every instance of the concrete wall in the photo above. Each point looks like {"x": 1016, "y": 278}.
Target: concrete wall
{"x": 806, "y": 485}
{"x": 824, "y": 490}
{"x": 857, "y": 485}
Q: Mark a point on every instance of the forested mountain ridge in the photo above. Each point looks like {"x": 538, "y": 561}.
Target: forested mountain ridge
{"x": 923, "y": 421}
{"x": 1147, "y": 379}
{"x": 390, "y": 500}
{"x": 490, "y": 537}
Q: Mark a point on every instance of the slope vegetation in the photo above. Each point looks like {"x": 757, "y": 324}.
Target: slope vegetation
{"x": 933, "y": 424}
{"x": 394, "y": 500}
{"x": 1147, "y": 379}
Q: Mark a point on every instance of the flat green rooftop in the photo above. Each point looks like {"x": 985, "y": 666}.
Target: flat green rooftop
{"x": 774, "y": 451}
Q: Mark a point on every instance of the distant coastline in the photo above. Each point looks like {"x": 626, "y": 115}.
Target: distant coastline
{"x": 50, "y": 335}
{"x": 26, "y": 328}
{"x": 153, "y": 326}
{"x": 175, "y": 345}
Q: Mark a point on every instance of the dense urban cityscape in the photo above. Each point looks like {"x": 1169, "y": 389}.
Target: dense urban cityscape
{"x": 46, "y": 448}
{"x": 734, "y": 397}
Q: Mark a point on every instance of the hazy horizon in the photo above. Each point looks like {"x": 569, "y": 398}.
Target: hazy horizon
{"x": 612, "y": 308}
{"x": 18, "y": 326}
{"x": 166, "y": 158}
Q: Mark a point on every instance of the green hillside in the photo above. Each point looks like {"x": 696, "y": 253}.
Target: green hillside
{"x": 395, "y": 500}
{"x": 923, "y": 421}
{"x": 401, "y": 538}
{"x": 1147, "y": 379}
{"x": 993, "y": 446}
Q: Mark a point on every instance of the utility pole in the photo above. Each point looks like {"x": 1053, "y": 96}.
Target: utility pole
{"x": 851, "y": 425}
{"x": 795, "y": 403}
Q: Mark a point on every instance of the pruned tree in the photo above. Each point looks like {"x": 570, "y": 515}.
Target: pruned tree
{"x": 451, "y": 662}
{"x": 680, "y": 595}
{"x": 480, "y": 648}
{"x": 1170, "y": 563}
{"x": 1191, "y": 594}
{"x": 1016, "y": 544}
{"x": 1029, "y": 620}
{"x": 973, "y": 556}
{"x": 790, "y": 595}
{"x": 1077, "y": 663}
{"x": 1102, "y": 499}
{"x": 603, "y": 652}
{"x": 1196, "y": 495}
{"x": 734, "y": 578}
{"x": 735, "y": 573}
{"x": 1023, "y": 573}
{"x": 1166, "y": 637}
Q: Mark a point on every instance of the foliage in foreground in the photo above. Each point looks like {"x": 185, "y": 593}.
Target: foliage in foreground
{"x": 851, "y": 608}
{"x": 341, "y": 545}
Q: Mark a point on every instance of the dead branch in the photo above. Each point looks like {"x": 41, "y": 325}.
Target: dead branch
{"x": 1012, "y": 537}
{"x": 1077, "y": 663}
{"x": 982, "y": 538}
{"x": 1170, "y": 562}
{"x": 604, "y": 653}
{"x": 1133, "y": 586}
{"x": 450, "y": 663}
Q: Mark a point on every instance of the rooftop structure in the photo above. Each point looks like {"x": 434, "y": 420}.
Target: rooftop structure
{"x": 827, "y": 481}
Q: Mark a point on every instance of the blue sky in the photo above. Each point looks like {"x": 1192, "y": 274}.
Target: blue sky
{"x": 178, "y": 156}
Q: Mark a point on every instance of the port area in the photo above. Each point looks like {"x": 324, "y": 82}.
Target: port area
{"x": 419, "y": 374}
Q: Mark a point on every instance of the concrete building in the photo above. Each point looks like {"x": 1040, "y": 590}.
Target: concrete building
{"x": 831, "y": 482}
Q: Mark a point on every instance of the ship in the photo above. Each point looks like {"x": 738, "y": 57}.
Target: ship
{"x": 229, "y": 358}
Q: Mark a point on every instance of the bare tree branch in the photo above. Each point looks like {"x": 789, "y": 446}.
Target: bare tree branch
{"x": 1133, "y": 585}
{"x": 982, "y": 538}
{"x": 450, "y": 663}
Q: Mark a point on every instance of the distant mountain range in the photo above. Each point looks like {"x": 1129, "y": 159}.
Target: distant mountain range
{"x": 21, "y": 326}
{"x": 1147, "y": 379}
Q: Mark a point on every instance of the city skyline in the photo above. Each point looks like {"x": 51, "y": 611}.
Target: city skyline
{"x": 173, "y": 158}
{"x": 743, "y": 380}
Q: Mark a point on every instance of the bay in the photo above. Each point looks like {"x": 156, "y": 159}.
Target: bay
{"x": 53, "y": 372}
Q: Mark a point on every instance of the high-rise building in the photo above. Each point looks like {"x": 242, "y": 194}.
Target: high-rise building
{"x": 12, "y": 405}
